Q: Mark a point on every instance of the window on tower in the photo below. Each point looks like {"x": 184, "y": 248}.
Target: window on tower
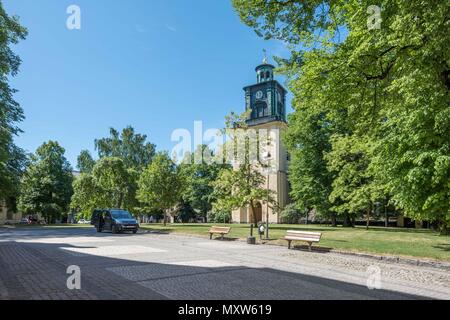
{"x": 261, "y": 110}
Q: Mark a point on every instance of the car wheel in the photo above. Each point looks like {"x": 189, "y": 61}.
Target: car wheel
{"x": 134, "y": 231}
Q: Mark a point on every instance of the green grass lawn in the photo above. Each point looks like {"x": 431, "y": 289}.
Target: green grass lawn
{"x": 394, "y": 241}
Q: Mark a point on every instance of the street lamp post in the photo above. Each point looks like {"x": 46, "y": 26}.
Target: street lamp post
{"x": 268, "y": 157}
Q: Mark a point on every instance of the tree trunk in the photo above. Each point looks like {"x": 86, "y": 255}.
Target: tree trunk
{"x": 252, "y": 215}
{"x": 165, "y": 218}
{"x": 443, "y": 227}
{"x": 347, "y": 221}
{"x": 333, "y": 220}
{"x": 119, "y": 201}
{"x": 368, "y": 219}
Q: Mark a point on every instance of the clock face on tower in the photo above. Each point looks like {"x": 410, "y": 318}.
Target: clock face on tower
{"x": 259, "y": 94}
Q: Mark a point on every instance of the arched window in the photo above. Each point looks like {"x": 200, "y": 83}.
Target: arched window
{"x": 261, "y": 110}
{"x": 267, "y": 75}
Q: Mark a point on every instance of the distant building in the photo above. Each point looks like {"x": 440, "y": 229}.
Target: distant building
{"x": 7, "y": 215}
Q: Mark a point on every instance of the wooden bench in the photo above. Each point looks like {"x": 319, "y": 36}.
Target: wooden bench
{"x": 219, "y": 230}
{"x": 309, "y": 237}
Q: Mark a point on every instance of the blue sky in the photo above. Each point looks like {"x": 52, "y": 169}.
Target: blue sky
{"x": 157, "y": 65}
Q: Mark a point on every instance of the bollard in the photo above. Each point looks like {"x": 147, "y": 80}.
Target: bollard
{"x": 251, "y": 239}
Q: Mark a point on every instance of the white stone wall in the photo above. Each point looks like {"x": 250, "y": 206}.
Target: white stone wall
{"x": 277, "y": 178}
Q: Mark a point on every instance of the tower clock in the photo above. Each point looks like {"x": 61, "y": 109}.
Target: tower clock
{"x": 266, "y": 98}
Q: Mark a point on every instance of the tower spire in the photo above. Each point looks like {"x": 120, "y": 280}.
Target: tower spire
{"x": 264, "y": 56}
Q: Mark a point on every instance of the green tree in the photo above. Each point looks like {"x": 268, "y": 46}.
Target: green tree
{"x": 291, "y": 214}
{"x": 46, "y": 186}
{"x": 160, "y": 184}
{"x": 131, "y": 147}
{"x": 184, "y": 212}
{"x": 87, "y": 196}
{"x": 12, "y": 158}
{"x": 355, "y": 188}
{"x": 85, "y": 162}
{"x": 307, "y": 139}
{"x": 112, "y": 180}
{"x": 199, "y": 175}
{"x": 386, "y": 84}
{"x": 110, "y": 185}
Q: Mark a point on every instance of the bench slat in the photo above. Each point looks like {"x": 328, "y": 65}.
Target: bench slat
{"x": 304, "y": 232}
{"x": 306, "y": 236}
{"x": 303, "y": 239}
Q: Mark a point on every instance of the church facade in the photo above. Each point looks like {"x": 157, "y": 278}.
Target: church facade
{"x": 266, "y": 100}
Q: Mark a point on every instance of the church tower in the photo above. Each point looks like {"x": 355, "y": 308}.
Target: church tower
{"x": 267, "y": 101}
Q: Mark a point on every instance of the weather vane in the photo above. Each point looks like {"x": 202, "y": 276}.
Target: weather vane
{"x": 265, "y": 56}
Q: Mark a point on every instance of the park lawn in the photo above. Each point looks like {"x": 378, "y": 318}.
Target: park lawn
{"x": 419, "y": 243}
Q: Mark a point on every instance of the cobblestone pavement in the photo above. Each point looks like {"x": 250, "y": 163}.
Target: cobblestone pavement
{"x": 33, "y": 265}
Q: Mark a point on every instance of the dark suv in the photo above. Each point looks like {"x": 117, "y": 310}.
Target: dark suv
{"x": 114, "y": 220}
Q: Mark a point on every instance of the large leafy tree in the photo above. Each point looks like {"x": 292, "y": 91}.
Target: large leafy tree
{"x": 85, "y": 162}
{"x": 308, "y": 140}
{"x": 160, "y": 185}
{"x": 131, "y": 147}
{"x": 46, "y": 187}
{"x": 112, "y": 180}
{"x": 355, "y": 188}
{"x": 12, "y": 158}
{"x": 199, "y": 175}
{"x": 386, "y": 84}
{"x": 87, "y": 196}
{"x": 110, "y": 185}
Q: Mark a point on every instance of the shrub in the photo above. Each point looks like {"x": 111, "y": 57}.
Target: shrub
{"x": 291, "y": 214}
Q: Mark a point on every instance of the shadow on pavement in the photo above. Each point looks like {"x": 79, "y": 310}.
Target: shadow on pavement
{"x": 38, "y": 271}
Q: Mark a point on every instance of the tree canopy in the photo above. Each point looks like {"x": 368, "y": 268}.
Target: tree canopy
{"x": 131, "y": 147}
{"x": 46, "y": 186}
{"x": 12, "y": 158}
{"x": 380, "y": 86}
{"x": 160, "y": 184}
{"x": 198, "y": 191}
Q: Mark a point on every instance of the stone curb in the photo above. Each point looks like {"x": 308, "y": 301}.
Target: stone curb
{"x": 386, "y": 258}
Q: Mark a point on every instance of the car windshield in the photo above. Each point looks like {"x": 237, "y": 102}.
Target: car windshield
{"x": 120, "y": 214}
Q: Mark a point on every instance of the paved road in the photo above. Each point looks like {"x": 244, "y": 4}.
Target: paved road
{"x": 33, "y": 265}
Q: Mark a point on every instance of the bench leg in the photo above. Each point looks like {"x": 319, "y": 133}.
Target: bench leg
{"x": 210, "y": 236}
{"x": 222, "y": 236}
{"x": 310, "y": 244}
{"x": 289, "y": 244}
